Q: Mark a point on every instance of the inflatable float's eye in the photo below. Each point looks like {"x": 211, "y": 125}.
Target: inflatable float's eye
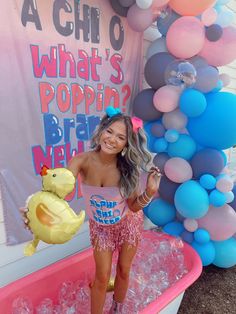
{"x": 54, "y": 175}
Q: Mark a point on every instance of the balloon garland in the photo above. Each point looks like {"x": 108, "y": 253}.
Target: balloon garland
{"x": 190, "y": 120}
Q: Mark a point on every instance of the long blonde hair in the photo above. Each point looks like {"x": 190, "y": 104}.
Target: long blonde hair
{"x": 136, "y": 158}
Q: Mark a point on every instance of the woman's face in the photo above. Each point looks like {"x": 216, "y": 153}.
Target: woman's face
{"x": 114, "y": 138}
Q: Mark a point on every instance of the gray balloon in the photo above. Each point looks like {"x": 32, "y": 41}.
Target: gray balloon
{"x": 167, "y": 189}
{"x": 155, "y": 67}
{"x": 198, "y": 62}
{"x": 214, "y": 32}
{"x": 118, "y": 8}
{"x": 127, "y": 3}
{"x": 143, "y": 106}
{"x": 206, "y": 79}
{"x": 207, "y": 160}
{"x": 160, "y": 159}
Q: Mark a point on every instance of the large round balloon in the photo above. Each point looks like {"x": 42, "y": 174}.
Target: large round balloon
{"x": 216, "y": 127}
{"x": 50, "y": 217}
{"x": 174, "y": 228}
{"x": 143, "y": 106}
{"x": 192, "y": 102}
{"x": 207, "y": 161}
{"x": 160, "y": 212}
{"x": 166, "y": 98}
{"x": 158, "y": 45}
{"x": 225, "y": 253}
{"x": 193, "y": 7}
{"x": 206, "y": 251}
{"x": 191, "y": 200}
{"x": 139, "y": 19}
{"x": 206, "y": 79}
{"x": 155, "y": 67}
{"x": 220, "y": 222}
{"x": 184, "y": 147}
{"x": 185, "y": 29}
{"x": 178, "y": 170}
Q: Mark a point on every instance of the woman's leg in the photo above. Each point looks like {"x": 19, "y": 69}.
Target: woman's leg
{"x": 126, "y": 255}
{"x": 103, "y": 260}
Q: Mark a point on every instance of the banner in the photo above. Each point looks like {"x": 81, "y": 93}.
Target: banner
{"x": 62, "y": 63}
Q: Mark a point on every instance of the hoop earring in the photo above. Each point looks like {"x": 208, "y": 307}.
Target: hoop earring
{"x": 123, "y": 152}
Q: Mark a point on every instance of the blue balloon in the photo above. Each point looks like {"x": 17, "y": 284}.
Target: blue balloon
{"x": 174, "y": 228}
{"x": 160, "y": 212}
{"x": 171, "y": 135}
{"x": 192, "y": 102}
{"x": 160, "y": 145}
{"x": 187, "y": 236}
{"x": 208, "y": 181}
{"x": 206, "y": 251}
{"x": 225, "y": 256}
{"x": 184, "y": 147}
{"x": 201, "y": 235}
{"x": 216, "y": 127}
{"x": 217, "y": 198}
{"x": 191, "y": 200}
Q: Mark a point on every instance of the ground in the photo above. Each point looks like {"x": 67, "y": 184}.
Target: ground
{"x": 213, "y": 293}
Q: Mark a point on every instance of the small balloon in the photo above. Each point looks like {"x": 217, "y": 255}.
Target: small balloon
{"x": 214, "y": 32}
{"x": 190, "y": 225}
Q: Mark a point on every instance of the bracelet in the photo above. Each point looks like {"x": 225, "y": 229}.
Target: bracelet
{"x": 141, "y": 204}
{"x": 146, "y": 200}
{"x": 146, "y": 197}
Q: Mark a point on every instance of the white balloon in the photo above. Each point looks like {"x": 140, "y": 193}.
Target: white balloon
{"x": 144, "y": 4}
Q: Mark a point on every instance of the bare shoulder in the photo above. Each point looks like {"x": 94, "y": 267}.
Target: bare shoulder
{"x": 77, "y": 163}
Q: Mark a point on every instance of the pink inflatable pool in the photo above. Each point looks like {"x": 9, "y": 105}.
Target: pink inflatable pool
{"x": 46, "y": 282}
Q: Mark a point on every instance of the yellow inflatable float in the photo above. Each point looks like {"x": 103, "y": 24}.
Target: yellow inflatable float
{"x": 50, "y": 217}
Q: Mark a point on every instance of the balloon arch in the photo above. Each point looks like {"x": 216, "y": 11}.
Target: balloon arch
{"x": 189, "y": 120}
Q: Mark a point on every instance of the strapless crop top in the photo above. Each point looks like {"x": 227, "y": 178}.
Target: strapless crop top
{"x": 105, "y": 205}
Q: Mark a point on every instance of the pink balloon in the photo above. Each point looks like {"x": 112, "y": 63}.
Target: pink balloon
{"x": 139, "y": 19}
{"x": 185, "y": 37}
{"x": 174, "y": 120}
{"x": 209, "y": 16}
{"x": 222, "y": 51}
{"x": 178, "y": 170}
{"x": 224, "y": 184}
{"x": 220, "y": 222}
{"x": 190, "y": 225}
{"x": 166, "y": 98}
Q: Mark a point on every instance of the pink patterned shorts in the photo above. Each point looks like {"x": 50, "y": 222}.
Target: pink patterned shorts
{"x": 128, "y": 230}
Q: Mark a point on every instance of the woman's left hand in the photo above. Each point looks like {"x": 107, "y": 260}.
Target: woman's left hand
{"x": 153, "y": 181}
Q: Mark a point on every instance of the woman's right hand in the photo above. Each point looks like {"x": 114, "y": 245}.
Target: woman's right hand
{"x": 24, "y": 211}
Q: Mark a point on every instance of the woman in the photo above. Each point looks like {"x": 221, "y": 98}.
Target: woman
{"x": 110, "y": 176}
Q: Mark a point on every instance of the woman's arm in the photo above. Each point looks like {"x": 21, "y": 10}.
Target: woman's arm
{"x": 75, "y": 165}
{"x": 138, "y": 201}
